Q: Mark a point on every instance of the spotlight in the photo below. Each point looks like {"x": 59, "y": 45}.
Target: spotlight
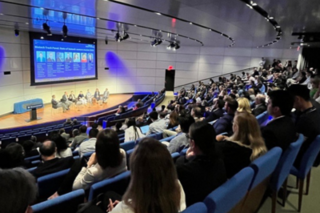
{"x": 46, "y": 28}
{"x": 118, "y": 38}
{"x": 106, "y": 40}
{"x": 126, "y": 36}
{"x": 65, "y": 31}
{"x": 16, "y": 32}
{"x": 156, "y": 42}
{"x": 177, "y": 46}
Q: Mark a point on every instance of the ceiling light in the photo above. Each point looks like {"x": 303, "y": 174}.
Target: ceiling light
{"x": 65, "y": 31}
{"x": 117, "y": 37}
{"x": 159, "y": 14}
{"x": 253, "y": 4}
{"x": 41, "y": 37}
{"x": 16, "y": 32}
{"x": 270, "y": 18}
{"x": 135, "y": 25}
{"x": 249, "y": 6}
{"x": 79, "y": 41}
{"x": 46, "y": 28}
{"x": 27, "y": 23}
{"x": 126, "y": 36}
{"x": 62, "y": 39}
{"x": 210, "y": 30}
{"x": 278, "y": 27}
{"x": 1, "y": 14}
{"x": 267, "y": 19}
{"x": 191, "y": 23}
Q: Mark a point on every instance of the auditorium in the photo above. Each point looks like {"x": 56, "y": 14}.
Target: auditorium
{"x": 168, "y": 106}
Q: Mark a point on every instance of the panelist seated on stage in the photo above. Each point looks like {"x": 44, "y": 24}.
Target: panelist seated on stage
{"x": 105, "y": 96}
{"x": 89, "y": 96}
{"x": 65, "y": 100}
{"x": 97, "y": 94}
{"x": 81, "y": 98}
{"x": 56, "y": 104}
{"x": 72, "y": 97}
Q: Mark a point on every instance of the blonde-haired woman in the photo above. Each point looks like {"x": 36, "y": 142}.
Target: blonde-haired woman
{"x": 243, "y": 105}
{"x": 244, "y": 146}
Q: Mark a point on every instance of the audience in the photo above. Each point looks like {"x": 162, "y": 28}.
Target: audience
{"x": 201, "y": 170}
{"x": 18, "y": 190}
{"x": 154, "y": 186}
{"x": 81, "y": 137}
{"x": 132, "y": 133}
{"x": 157, "y": 125}
{"x": 107, "y": 161}
{"x": 260, "y": 105}
{"x": 50, "y": 162}
{"x": 29, "y": 148}
{"x": 217, "y": 111}
{"x": 307, "y": 120}
{"x": 89, "y": 145}
{"x": 181, "y": 141}
{"x": 243, "y": 105}
{"x": 196, "y": 114}
{"x": 173, "y": 120}
{"x": 224, "y": 124}
{"x": 244, "y": 146}
{"x": 63, "y": 150}
{"x": 12, "y": 156}
{"x": 280, "y": 131}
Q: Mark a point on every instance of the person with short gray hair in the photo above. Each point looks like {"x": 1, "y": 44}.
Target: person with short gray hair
{"x": 18, "y": 190}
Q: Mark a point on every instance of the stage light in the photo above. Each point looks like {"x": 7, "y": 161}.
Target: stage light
{"x": 156, "y": 42}
{"x": 46, "y": 28}
{"x": 106, "y": 40}
{"x": 65, "y": 31}
{"x": 125, "y": 37}
{"x": 118, "y": 38}
{"x": 16, "y": 32}
{"x": 176, "y": 47}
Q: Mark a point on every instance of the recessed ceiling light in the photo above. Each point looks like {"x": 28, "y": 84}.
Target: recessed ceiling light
{"x": 267, "y": 19}
{"x": 41, "y": 37}
{"x": 210, "y": 30}
{"x": 191, "y": 23}
{"x": 249, "y": 6}
{"x": 270, "y": 18}
{"x": 278, "y": 27}
{"x": 98, "y": 18}
{"x": 27, "y": 23}
{"x": 135, "y": 25}
{"x": 159, "y": 14}
{"x": 253, "y": 4}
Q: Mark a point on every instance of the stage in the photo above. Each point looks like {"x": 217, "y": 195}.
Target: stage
{"x": 47, "y": 114}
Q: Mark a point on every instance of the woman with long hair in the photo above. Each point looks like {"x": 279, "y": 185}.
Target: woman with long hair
{"x": 107, "y": 161}
{"x": 132, "y": 133}
{"x": 63, "y": 149}
{"x": 154, "y": 186}
{"x": 245, "y": 145}
{"x": 243, "y": 105}
{"x": 201, "y": 171}
{"x": 173, "y": 120}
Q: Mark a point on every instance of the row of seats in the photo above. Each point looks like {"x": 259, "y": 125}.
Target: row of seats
{"x": 271, "y": 169}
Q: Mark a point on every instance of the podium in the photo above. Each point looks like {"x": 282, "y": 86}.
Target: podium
{"x": 33, "y": 111}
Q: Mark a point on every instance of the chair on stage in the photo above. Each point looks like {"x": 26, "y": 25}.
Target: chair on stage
{"x": 56, "y": 110}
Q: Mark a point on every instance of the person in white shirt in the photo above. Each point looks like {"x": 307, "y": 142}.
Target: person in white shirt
{"x": 105, "y": 96}
{"x": 157, "y": 125}
{"x": 90, "y": 144}
{"x": 89, "y": 96}
{"x": 154, "y": 184}
{"x": 132, "y": 133}
{"x": 63, "y": 150}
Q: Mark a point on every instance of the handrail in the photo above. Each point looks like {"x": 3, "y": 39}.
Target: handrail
{"x": 250, "y": 68}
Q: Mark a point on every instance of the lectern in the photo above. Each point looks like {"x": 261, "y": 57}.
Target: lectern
{"x": 33, "y": 111}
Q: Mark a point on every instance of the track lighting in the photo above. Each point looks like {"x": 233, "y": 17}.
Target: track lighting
{"x": 65, "y": 31}
{"x": 118, "y": 37}
{"x": 46, "y": 28}
{"x": 16, "y": 32}
{"x": 156, "y": 42}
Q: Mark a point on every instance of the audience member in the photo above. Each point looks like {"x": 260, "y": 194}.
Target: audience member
{"x": 260, "y": 105}
{"x": 63, "y": 134}
{"x": 243, "y": 105}
{"x": 196, "y": 114}
{"x": 157, "y": 125}
{"x": 68, "y": 122}
{"x": 118, "y": 128}
{"x": 280, "y": 131}
{"x": 18, "y": 190}
{"x": 200, "y": 171}
{"x": 81, "y": 137}
{"x": 29, "y": 148}
{"x": 244, "y": 146}
{"x": 217, "y": 111}
{"x": 181, "y": 141}
{"x": 12, "y": 156}
{"x": 224, "y": 124}
{"x": 89, "y": 145}
{"x": 56, "y": 104}
{"x": 173, "y": 120}
{"x": 308, "y": 117}
{"x": 154, "y": 186}
{"x": 132, "y": 133}
{"x": 63, "y": 150}
{"x": 107, "y": 161}
{"x": 50, "y": 162}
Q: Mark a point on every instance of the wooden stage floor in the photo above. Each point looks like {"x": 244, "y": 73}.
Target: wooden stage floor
{"x": 48, "y": 115}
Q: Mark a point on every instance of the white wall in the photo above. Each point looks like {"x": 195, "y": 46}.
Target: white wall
{"x": 132, "y": 67}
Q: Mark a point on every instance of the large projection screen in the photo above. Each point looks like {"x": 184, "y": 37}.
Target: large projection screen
{"x": 57, "y": 60}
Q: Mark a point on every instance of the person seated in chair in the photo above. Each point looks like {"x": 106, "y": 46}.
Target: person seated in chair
{"x": 260, "y": 105}
{"x": 72, "y": 97}
{"x": 81, "y": 137}
{"x": 89, "y": 96}
{"x": 105, "y": 96}
{"x": 224, "y": 124}
{"x": 51, "y": 163}
{"x": 217, "y": 111}
{"x": 56, "y": 104}
{"x": 65, "y": 100}
{"x": 97, "y": 95}
{"x": 157, "y": 125}
{"x": 81, "y": 98}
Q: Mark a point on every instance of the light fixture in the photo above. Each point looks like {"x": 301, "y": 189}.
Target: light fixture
{"x": 159, "y": 14}
{"x": 79, "y": 41}
{"x": 118, "y": 38}
{"x": 126, "y": 36}
{"x": 65, "y": 31}
{"x": 249, "y": 6}
{"x": 190, "y": 23}
{"x": 41, "y": 37}
{"x": 106, "y": 40}
{"x": 27, "y": 23}
{"x": 253, "y": 4}
{"x": 16, "y": 32}
{"x": 46, "y": 28}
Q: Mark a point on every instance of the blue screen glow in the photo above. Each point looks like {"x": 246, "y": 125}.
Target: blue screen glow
{"x": 63, "y": 61}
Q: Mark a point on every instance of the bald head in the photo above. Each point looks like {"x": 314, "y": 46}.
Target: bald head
{"x": 48, "y": 149}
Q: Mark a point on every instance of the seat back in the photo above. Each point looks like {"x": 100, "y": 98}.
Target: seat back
{"x": 128, "y": 145}
{"x": 196, "y": 208}
{"x": 49, "y": 184}
{"x": 262, "y": 118}
{"x": 117, "y": 184}
{"x": 265, "y": 165}
{"x": 168, "y": 139}
{"x": 64, "y": 203}
{"x": 286, "y": 161}
{"x": 309, "y": 157}
{"x": 228, "y": 195}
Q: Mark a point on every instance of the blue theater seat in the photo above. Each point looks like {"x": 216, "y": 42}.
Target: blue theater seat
{"x": 128, "y": 145}
{"x": 64, "y": 203}
{"x": 228, "y": 195}
{"x": 196, "y": 208}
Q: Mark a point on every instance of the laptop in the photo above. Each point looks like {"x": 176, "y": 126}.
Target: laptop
{"x": 144, "y": 129}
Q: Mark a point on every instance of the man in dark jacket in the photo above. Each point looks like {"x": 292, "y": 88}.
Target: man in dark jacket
{"x": 217, "y": 111}
{"x": 224, "y": 124}
{"x": 260, "y": 105}
{"x": 280, "y": 131}
{"x": 51, "y": 163}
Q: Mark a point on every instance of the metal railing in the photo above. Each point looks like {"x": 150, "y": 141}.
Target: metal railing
{"x": 215, "y": 78}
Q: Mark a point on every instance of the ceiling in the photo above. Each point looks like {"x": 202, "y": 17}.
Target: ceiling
{"x": 233, "y": 18}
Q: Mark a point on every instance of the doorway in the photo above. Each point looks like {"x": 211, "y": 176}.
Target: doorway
{"x": 169, "y": 81}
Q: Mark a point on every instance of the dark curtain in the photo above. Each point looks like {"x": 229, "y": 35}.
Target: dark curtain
{"x": 311, "y": 57}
